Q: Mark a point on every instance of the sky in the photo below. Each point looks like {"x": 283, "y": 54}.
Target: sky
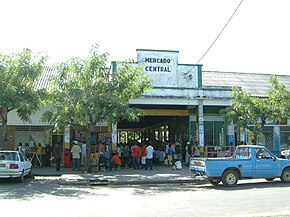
{"x": 256, "y": 40}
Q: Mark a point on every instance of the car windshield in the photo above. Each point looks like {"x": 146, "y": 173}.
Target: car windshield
{"x": 8, "y": 156}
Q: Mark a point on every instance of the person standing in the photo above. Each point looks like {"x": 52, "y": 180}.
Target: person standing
{"x": 177, "y": 155}
{"x": 26, "y": 150}
{"x": 161, "y": 157}
{"x": 196, "y": 151}
{"x": 39, "y": 153}
{"x": 126, "y": 156}
{"x": 135, "y": 155}
{"x": 103, "y": 162}
{"x": 101, "y": 147}
{"x": 156, "y": 156}
{"x": 48, "y": 151}
{"x": 57, "y": 156}
{"x": 169, "y": 152}
{"x": 76, "y": 156}
{"x": 143, "y": 156}
{"x": 120, "y": 150}
{"x": 188, "y": 152}
{"x": 20, "y": 148}
{"x": 149, "y": 156}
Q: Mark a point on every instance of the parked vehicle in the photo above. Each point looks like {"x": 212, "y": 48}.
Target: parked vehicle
{"x": 13, "y": 164}
{"x": 249, "y": 161}
{"x": 285, "y": 154}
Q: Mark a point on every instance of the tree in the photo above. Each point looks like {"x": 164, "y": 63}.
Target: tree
{"x": 279, "y": 100}
{"x": 251, "y": 112}
{"x": 86, "y": 93}
{"x": 18, "y": 74}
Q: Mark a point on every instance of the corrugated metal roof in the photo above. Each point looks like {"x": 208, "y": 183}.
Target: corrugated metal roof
{"x": 255, "y": 84}
{"x": 44, "y": 80}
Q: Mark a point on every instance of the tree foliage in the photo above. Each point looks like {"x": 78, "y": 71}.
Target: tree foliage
{"x": 85, "y": 92}
{"x": 279, "y": 100}
{"x": 251, "y": 112}
{"x": 18, "y": 74}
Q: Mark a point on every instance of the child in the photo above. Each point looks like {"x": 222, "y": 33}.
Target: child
{"x": 115, "y": 162}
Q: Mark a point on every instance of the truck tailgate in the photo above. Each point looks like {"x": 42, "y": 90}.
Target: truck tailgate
{"x": 197, "y": 165}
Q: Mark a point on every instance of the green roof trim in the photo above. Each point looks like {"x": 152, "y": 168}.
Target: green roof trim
{"x": 114, "y": 66}
{"x": 199, "y": 71}
{"x": 173, "y": 51}
{"x": 184, "y": 64}
{"x": 196, "y": 88}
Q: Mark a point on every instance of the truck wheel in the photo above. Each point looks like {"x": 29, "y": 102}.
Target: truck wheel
{"x": 285, "y": 177}
{"x": 230, "y": 178}
{"x": 214, "y": 181}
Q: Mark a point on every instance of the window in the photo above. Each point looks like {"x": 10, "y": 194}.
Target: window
{"x": 9, "y": 156}
{"x": 285, "y": 137}
{"x": 243, "y": 153}
{"x": 21, "y": 157}
{"x": 263, "y": 154}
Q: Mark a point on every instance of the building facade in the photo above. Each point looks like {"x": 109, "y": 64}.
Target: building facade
{"x": 183, "y": 105}
{"x": 188, "y": 101}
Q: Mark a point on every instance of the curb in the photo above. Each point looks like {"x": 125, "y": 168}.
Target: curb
{"x": 161, "y": 182}
{"x": 100, "y": 181}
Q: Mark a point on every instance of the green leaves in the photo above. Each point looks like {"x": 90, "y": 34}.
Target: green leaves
{"x": 252, "y": 112}
{"x": 87, "y": 92}
{"x": 19, "y": 72}
{"x": 279, "y": 100}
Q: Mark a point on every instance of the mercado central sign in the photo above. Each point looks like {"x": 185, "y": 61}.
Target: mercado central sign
{"x": 157, "y": 67}
{"x": 172, "y": 80}
{"x": 157, "y": 60}
{"x": 164, "y": 71}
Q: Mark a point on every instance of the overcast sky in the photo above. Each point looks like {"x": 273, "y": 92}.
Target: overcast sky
{"x": 257, "y": 40}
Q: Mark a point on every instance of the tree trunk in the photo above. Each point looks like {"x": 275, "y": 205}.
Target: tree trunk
{"x": 89, "y": 163}
{"x": 4, "y": 136}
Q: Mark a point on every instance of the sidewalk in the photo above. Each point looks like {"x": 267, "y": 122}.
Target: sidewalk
{"x": 122, "y": 176}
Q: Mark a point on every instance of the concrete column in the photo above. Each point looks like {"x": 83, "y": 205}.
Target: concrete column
{"x": 200, "y": 123}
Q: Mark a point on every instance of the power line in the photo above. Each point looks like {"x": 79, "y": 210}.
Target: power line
{"x": 220, "y": 33}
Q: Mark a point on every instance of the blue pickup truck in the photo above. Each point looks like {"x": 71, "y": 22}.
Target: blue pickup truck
{"x": 248, "y": 162}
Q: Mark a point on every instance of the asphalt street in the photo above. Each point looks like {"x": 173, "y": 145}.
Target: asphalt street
{"x": 45, "y": 196}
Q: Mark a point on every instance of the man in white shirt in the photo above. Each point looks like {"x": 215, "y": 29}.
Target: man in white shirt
{"x": 149, "y": 156}
{"x": 76, "y": 156}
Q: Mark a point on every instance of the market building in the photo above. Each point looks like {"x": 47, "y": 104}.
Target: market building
{"x": 183, "y": 105}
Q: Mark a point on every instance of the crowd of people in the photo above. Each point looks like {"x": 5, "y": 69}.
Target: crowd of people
{"x": 135, "y": 155}
{"x": 144, "y": 155}
{"x": 39, "y": 155}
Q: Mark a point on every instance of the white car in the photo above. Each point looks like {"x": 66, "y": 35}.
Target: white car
{"x": 13, "y": 164}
